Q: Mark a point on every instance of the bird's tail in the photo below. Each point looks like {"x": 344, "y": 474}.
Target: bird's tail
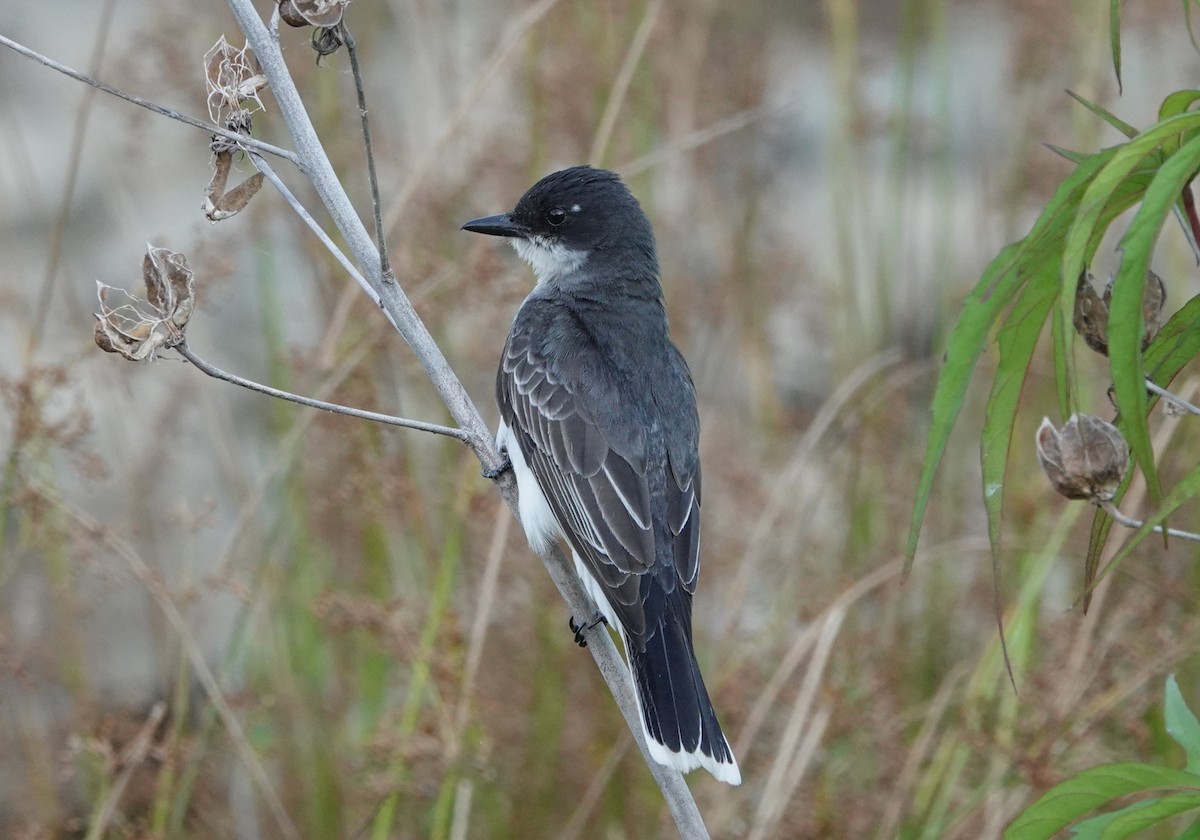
{"x": 677, "y": 717}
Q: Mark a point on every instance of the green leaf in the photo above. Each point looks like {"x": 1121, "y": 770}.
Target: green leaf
{"x": 1101, "y": 526}
{"x": 1192, "y": 832}
{"x": 1114, "y": 37}
{"x": 1186, "y": 490}
{"x": 1109, "y": 117}
{"x": 1182, "y": 724}
{"x": 1131, "y": 821}
{"x": 1074, "y": 157}
{"x": 1094, "y": 828}
{"x": 1187, "y": 19}
{"x": 1085, "y": 232}
{"x": 1125, "y": 326}
{"x": 1063, "y": 804}
{"x": 1177, "y": 343}
{"x": 1177, "y": 103}
{"x": 1000, "y": 282}
{"x": 1017, "y": 340}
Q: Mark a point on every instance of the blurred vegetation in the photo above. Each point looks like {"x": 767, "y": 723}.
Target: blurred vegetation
{"x": 222, "y": 616}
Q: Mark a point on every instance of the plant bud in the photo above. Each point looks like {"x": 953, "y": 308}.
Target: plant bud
{"x": 1085, "y": 459}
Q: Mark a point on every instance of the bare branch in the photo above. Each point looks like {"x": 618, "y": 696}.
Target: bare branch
{"x": 240, "y": 139}
{"x": 352, "y": 51}
{"x": 1174, "y": 400}
{"x": 320, "y": 233}
{"x": 316, "y": 165}
{"x": 217, "y": 373}
{"x": 1108, "y": 507}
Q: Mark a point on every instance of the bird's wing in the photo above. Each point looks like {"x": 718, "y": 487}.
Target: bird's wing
{"x": 593, "y": 476}
{"x": 676, "y": 398}
{"x": 683, "y": 517}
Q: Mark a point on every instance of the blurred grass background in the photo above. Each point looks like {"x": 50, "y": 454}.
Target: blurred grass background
{"x": 222, "y": 616}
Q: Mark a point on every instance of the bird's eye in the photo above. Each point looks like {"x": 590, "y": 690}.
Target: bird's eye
{"x": 556, "y": 216}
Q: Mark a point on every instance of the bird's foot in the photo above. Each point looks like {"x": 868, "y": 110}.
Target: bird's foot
{"x": 494, "y": 473}
{"x": 579, "y": 629}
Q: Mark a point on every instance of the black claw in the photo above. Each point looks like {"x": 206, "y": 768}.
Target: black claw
{"x": 493, "y": 474}
{"x": 580, "y": 629}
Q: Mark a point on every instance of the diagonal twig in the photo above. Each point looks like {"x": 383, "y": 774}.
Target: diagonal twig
{"x": 381, "y": 241}
{"x": 217, "y": 373}
{"x": 240, "y": 139}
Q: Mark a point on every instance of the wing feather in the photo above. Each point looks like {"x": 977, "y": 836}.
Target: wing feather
{"x": 591, "y": 464}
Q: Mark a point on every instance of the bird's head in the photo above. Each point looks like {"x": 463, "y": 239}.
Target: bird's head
{"x": 576, "y": 217}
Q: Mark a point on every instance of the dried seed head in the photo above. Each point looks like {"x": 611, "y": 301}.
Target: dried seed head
{"x": 232, "y": 77}
{"x": 1085, "y": 459}
{"x": 314, "y": 12}
{"x": 287, "y": 11}
{"x": 1091, "y": 314}
{"x": 1091, "y": 310}
{"x": 1153, "y": 300}
{"x": 136, "y": 328}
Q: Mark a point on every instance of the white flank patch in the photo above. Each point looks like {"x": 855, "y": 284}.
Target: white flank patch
{"x": 540, "y": 528}
{"x": 548, "y": 258}
{"x": 536, "y": 516}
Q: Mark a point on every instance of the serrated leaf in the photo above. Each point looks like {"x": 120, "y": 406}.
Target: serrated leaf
{"x": 1086, "y": 229}
{"x": 1001, "y": 281}
{"x": 1065, "y": 803}
{"x": 1182, "y": 725}
{"x": 1125, "y": 326}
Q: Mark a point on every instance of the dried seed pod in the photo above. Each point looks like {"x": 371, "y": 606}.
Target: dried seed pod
{"x": 1091, "y": 314}
{"x": 136, "y": 328}
{"x": 233, "y": 78}
{"x": 1085, "y": 459}
{"x": 1153, "y": 299}
{"x": 315, "y": 12}
{"x": 289, "y": 14}
{"x": 1091, "y": 310}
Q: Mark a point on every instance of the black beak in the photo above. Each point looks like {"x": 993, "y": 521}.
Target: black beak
{"x": 501, "y": 224}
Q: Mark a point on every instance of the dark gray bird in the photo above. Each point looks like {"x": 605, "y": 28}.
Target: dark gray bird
{"x": 598, "y": 417}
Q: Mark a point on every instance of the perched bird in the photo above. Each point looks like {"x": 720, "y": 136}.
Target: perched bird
{"x": 598, "y": 418}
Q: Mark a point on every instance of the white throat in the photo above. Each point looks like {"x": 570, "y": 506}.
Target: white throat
{"x": 548, "y": 258}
